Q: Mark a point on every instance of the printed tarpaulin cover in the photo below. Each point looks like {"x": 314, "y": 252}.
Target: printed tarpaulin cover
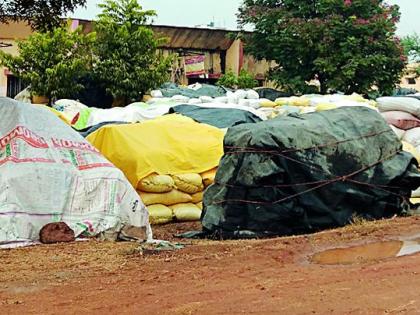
{"x": 303, "y": 173}
{"x": 194, "y": 65}
{"x": 49, "y": 173}
{"x": 172, "y": 144}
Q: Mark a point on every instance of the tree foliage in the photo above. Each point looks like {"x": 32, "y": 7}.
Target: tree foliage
{"x": 245, "y": 80}
{"x": 52, "y": 62}
{"x": 126, "y": 50}
{"x": 348, "y": 45}
{"x": 411, "y": 45}
{"x": 229, "y": 80}
{"x": 41, "y": 15}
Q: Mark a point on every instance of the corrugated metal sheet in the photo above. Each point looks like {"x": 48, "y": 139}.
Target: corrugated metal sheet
{"x": 194, "y": 38}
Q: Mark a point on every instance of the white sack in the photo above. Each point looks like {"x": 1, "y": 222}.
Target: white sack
{"x": 412, "y": 136}
{"x": 252, "y": 95}
{"x": 403, "y": 104}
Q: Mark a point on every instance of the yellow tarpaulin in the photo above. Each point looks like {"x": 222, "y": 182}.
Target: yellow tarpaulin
{"x": 56, "y": 112}
{"x": 172, "y": 144}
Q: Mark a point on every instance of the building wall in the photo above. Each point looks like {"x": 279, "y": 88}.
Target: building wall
{"x": 9, "y": 33}
{"x": 410, "y": 80}
{"x": 235, "y": 60}
{"x": 3, "y": 71}
{"x": 233, "y": 57}
{"x": 212, "y": 64}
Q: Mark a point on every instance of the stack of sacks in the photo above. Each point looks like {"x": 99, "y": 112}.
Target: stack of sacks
{"x": 166, "y": 160}
{"x": 312, "y": 103}
{"x": 246, "y": 98}
{"x": 403, "y": 113}
{"x": 178, "y": 197}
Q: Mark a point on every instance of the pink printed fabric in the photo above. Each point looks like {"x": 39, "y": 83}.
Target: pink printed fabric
{"x": 49, "y": 173}
{"x": 401, "y": 120}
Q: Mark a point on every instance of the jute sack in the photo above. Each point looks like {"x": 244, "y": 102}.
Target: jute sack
{"x": 197, "y": 197}
{"x": 159, "y": 214}
{"x": 208, "y": 177}
{"x": 401, "y": 120}
{"x": 155, "y": 183}
{"x": 325, "y": 106}
{"x": 188, "y": 183}
{"x": 186, "y": 212}
{"x": 412, "y": 136}
{"x": 268, "y": 103}
{"x": 403, "y": 104}
{"x": 168, "y": 198}
{"x": 399, "y": 132}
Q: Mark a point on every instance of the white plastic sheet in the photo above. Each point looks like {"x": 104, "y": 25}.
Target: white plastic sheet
{"x": 49, "y": 173}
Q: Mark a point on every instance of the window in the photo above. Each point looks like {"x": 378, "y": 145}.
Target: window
{"x": 411, "y": 80}
{"x": 14, "y": 86}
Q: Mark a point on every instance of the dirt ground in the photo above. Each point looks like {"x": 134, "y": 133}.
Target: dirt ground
{"x": 272, "y": 276}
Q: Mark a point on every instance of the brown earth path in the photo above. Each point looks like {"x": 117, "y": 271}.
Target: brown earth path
{"x": 271, "y": 276}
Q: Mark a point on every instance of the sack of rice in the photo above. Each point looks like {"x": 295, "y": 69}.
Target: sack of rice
{"x": 255, "y": 103}
{"x": 282, "y": 101}
{"x": 415, "y": 200}
{"x": 159, "y": 214}
{"x": 167, "y": 199}
{"x": 399, "y": 132}
{"x": 407, "y": 147}
{"x": 243, "y": 102}
{"x": 188, "y": 183}
{"x": 401, "y": 120}
{"x": 268, "y": 103}
{"x": 208, "y": 176}
{"x": 186, "y": 212}
{"x": 240, "y": 94}
{"x": 403, "y": 104}
{"x": 325, "y": 106}
{"x": 252, "y": 95}
{"x": 155, "y": 183}
{"x": 412, "y": 136}
{"x": 197, "y": 197}
{"x": 206, "y": 99}
{"x": 300, "y": 101}
{"x": 221, "y": 99}
{"x": 156, "y": 94}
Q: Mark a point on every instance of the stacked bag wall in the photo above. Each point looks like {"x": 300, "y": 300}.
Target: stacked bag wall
{"x": 305, "y": 173}
{"x": 174, "y": 197}
{"x": 403, "y": 115}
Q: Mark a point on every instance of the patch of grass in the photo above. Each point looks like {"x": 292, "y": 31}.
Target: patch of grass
{"x": 359, "y": 220}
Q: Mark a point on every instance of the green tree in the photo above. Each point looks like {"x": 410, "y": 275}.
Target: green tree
{"x": 229, "y": 80}
{"x": 245, "y": 80}
{"x": 348, "y": 45}
{"x": 41, "y": 15}
{"x": 411, "y": 44}
{"x": 52, "y": 62}
{"x": 127, "y": 50}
